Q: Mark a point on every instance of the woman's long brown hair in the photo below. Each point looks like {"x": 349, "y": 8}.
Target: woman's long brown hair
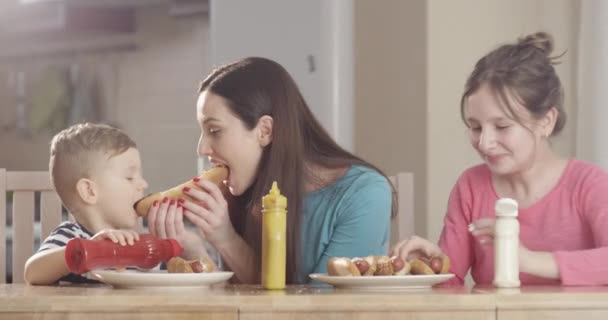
{"x": 255, "y": 87}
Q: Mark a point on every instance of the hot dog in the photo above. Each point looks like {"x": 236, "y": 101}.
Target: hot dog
{"x": 179, "y": 265}
{"x": 368, "y": 266}
{"x": 432, "y": 265}
{"x": 216, "y": 175}
{"x": 342, "y": 267}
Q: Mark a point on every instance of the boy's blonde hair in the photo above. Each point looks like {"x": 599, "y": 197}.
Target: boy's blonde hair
{"x": 75, "y": 152}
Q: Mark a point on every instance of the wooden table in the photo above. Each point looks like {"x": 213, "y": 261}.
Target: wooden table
{"x": 300, "y": 302}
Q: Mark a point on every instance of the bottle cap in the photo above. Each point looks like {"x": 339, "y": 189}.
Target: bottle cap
{"x": 506, "y": 207}
{"x": 176, "y": 249}
{"x": 274, "y": 198}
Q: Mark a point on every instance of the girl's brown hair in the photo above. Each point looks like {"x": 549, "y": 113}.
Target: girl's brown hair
{"x": 523, "y": 71}
{"x": 254, "y": 87}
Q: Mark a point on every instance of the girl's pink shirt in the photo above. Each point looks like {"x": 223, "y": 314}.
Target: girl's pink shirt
{"x": 571, "y": 221}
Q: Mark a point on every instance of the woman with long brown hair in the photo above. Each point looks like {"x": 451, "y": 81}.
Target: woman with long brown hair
{"x": 254, "y": 120}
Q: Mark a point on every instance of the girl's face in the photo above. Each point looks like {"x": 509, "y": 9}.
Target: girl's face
{"x": 507, "y": 146}
{"x": 225, "y": 140}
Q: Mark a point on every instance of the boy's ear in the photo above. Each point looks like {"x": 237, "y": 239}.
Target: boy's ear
{"x": 87, "y": 190}
{"x": 265, "y": 130}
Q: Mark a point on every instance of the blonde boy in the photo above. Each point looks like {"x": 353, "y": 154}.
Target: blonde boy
{"x": 96, "y": 170}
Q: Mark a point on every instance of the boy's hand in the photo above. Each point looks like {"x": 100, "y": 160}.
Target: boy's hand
{"x": 123, "y": 237}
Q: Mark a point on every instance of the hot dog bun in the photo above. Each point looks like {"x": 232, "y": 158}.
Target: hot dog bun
{"x": 384, "y": 266}
{"x": 428, "y": 266}
{"x": 179, "y": 265}
{"x": 368, "y": 266}
{"x": 342, "y": 267}
{"x": 216, "y": 175}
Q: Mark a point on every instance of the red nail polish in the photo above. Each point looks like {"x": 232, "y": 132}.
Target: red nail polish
{"x": 172, "y": 202}
{"x": 179, "y": 206}
{"x": 165, "y": 199}
{"x": 197, "y": 179}
{"x": 181, "y": 200}
{"x": 155, "y": 203}
{"x": 186, "y": 189}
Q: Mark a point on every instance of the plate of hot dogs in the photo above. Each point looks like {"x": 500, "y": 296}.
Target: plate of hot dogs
{"x": 180, "y": 273}
{"x": 385, "y": 273}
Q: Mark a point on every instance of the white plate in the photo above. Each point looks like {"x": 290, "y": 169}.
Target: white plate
{"x": 382, "y": 282}
{"x": 159, "y": 278}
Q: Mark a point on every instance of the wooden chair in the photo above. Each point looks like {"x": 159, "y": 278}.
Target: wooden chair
{"x": 24, "y": 185}
{"x": 403, "y": 224}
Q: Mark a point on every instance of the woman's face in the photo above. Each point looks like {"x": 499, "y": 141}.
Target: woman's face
{"x": 506, "y": 146}
{"x": 225, "y": 140}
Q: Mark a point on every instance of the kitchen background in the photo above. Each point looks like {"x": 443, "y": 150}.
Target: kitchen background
{"x": 385, "y": 76}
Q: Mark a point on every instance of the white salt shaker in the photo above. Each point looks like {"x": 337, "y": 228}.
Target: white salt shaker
{"x": 506, "y": 244}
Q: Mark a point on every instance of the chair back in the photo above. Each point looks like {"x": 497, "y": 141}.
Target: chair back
{"x": 402, "y": 225}
{"x": 24, "y": 186}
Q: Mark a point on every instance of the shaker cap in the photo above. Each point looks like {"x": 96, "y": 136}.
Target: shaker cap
{"x": 506, "y": 207}
{"x": 274, "y": 198}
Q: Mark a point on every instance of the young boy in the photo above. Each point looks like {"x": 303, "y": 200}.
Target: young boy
{"x": 96, "y": 170}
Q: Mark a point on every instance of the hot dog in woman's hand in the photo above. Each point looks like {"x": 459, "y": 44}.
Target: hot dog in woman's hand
{"x": 216, "y": 175}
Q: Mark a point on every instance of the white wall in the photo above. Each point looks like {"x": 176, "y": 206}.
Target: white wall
{"x": 593, "y": 75}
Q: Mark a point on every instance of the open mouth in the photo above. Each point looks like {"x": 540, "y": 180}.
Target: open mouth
{"x": 217, "y": 164}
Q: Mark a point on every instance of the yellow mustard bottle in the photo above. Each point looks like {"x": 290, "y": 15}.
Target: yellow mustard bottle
{"x": 274, "y": 225}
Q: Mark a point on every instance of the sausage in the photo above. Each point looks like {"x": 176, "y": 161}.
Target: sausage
{"x": 362, "y": 265}
{"x": 400, "y": 267}
{"x": 432, "y": 265}
{"x": 384, "y": 266}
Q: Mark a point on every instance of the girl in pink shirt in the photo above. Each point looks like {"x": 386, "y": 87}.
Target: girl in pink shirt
{"x": 512, "y": 105}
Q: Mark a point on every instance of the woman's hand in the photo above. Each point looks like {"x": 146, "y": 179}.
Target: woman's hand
{"x": 166, "y": 221}
{"x": 123, "y": 237}
{"x": 210, "y": 213}
{"x": 414, "y": 247}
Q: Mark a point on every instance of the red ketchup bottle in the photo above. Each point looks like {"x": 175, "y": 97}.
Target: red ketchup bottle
{"x": 82, "y": 255}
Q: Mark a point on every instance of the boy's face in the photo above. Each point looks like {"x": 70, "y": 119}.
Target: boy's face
{"x": 119, "y": 185}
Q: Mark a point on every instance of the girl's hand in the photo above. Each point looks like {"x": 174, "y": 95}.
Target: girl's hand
{"x": 123, "y": 237}
{"x": 483, "y": 230}
{"x": 414, "y": 247}
{"x": 210, "y": 213}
